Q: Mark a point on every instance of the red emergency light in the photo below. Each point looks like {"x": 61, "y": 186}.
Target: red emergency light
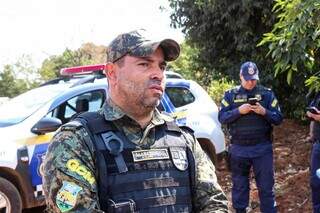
{"x": 87, "y": 69}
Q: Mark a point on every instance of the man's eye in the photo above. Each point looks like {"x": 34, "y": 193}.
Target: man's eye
{"x": 162, "y": 67}
{"x": 144, "y": 64}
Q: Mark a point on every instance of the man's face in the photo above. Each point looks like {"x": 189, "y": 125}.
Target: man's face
{"x": 141, "y": 80}
{"x": 248, "y": 85}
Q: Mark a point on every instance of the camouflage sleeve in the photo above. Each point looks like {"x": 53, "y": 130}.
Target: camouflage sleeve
{"x": 209, "y": 196}
{"x": 69, "y": 183}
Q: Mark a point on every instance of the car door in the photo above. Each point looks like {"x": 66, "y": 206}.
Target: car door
{"x": 87, "y": 101}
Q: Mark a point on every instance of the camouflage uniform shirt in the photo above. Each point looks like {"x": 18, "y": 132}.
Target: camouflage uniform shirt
{"x": 69, "y": 180}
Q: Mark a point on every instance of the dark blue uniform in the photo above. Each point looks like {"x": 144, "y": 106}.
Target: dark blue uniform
{"x": 315, "y": 159}
{"x": 251, "y": 144}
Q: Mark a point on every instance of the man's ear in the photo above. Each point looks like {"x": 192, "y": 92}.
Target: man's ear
{"x": 109, "y": 70}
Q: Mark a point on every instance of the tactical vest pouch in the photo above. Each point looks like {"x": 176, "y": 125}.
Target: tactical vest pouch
{"x": 121, "y": 206}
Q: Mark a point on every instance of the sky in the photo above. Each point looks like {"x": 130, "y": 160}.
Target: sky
{"x": 41, "y": 28}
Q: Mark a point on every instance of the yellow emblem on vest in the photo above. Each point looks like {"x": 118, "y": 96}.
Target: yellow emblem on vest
{"x": 74, "y": 166}
{"x": 152, "y": 154}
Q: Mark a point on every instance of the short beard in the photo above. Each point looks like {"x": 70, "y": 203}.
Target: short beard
{"x": 138, "y": 105}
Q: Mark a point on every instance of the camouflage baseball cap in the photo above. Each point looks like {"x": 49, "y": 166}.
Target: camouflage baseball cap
{"x": 136, "y": 43}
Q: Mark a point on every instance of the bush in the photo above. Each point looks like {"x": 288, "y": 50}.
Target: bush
{"x": 217, "y": 88}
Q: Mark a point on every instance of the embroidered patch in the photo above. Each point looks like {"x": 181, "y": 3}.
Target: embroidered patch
{"x": 74, "y": 166}
{"x": 66, "y": 197}
{"x": 179, "y": 158}
{"x": 251, "y": 71}
{"x": 240, "y": 100}
{"x": 152, "y": 154}
{"x": 224, "y": 103}
{"x": 274, "y": 103}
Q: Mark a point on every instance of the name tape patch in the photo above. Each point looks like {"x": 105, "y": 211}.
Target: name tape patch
{"x": 152, "y": 154}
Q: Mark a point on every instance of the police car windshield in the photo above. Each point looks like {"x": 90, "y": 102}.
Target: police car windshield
{"x": 24, "y": 105}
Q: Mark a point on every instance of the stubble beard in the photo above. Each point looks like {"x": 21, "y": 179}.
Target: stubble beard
{"x": 137, "y": 101}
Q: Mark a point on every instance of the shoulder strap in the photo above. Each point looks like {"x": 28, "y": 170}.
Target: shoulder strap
{"x": 93, "y": 122}
{"x": 96, "y": 122}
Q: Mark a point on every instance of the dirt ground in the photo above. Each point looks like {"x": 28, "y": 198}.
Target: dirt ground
{"x": 291, "y": 160}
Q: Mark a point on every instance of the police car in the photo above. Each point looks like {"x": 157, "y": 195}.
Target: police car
{"x": 28, "y": 122}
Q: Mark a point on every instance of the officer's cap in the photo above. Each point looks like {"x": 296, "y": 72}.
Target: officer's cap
{"x": 249, "y": 71}
{"x": 137, "y": 43}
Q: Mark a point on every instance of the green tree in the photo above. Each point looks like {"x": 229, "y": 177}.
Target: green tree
{"x": 187, "y": 64}
{"x": 9, "y": 85}
{"x": 225, "y": 32}
{"x": 294, "y": 47}
{"x": 87, "y": 54}
{"x": 294, "y": 41}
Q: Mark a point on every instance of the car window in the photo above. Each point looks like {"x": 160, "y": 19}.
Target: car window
{"x": 19, "y": 108}
{"x": 90, "y": 101}
{"x": 180, "y": 96}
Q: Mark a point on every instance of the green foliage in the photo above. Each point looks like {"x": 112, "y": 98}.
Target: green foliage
{"x": 87, "y": 54}
{"x": 224, "y": 32}
{"x": 9, "y": 85}
{"x": 295, "y": 39}
{"x": 217, "y": 88}
{"x": 18, "y": 77}
{"x": 188, "y": 66}
{"x": 294, "y": 47}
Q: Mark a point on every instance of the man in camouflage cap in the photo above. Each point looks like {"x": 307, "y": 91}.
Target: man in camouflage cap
{"x": 129, "y": 157}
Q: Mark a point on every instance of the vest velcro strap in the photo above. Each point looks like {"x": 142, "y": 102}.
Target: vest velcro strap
{"x": 148, "y": 184}
{"x": 162, "y": 201}
{"x": 148, "y": 166}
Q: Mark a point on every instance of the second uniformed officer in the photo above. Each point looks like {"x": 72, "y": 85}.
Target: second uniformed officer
{"x": 129, "y": 157}
{"x": 314, "y": 113}
{"x": 249, "y": 110}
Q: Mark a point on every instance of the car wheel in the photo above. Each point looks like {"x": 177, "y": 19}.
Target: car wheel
{"x": 209, "y": 149}
{"x": 10, "y": 200}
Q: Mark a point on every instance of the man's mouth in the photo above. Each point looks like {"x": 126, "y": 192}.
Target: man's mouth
{"x": 156, "y": 87}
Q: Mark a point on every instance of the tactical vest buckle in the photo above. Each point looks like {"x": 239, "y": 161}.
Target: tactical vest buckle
{"x": 126, "y": 205}
{"x": 113, "y": 143}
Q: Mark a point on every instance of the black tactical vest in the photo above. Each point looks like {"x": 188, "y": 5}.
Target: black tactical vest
{"x": 249, "y": 129}
{"x": 136, "y": 179}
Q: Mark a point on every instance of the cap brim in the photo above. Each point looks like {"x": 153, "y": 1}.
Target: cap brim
{"x": 251, "y": 77}
{"x": 170, "y": 48}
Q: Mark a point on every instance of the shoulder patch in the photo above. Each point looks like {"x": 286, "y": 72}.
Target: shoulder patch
{"x": 224, "y": 103}
{"x": 76, "y": 168}
{"x": 274, "y": 103}
{"x": 66, "y": 197}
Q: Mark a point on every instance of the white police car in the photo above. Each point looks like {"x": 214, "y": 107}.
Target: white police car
{"x": 28, "y": 122}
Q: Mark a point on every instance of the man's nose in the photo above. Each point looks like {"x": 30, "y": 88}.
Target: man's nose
{"x": 157, "y": 73}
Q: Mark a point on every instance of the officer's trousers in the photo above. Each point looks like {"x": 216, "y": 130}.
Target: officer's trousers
{"x": 314, "y": 179}
{"x": 264, "y": 175}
